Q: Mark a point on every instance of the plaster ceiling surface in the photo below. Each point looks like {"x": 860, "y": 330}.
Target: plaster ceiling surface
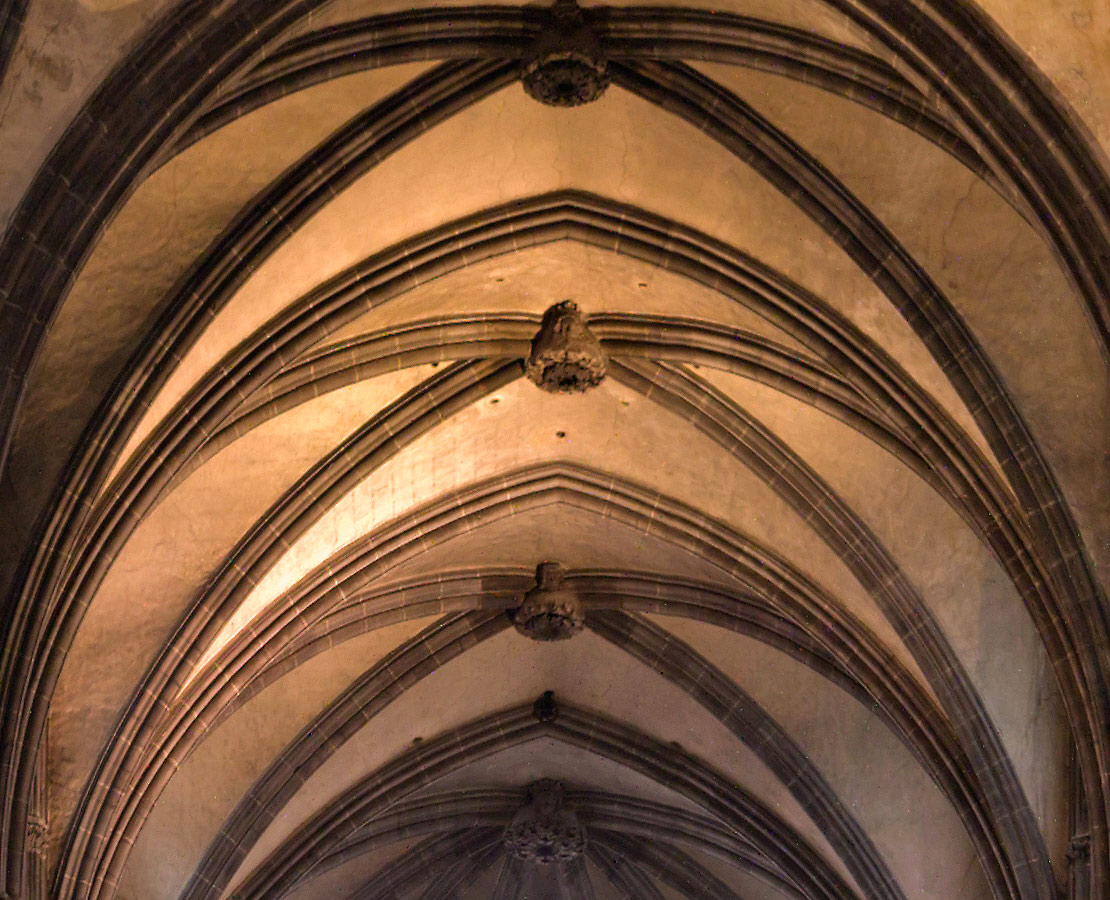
{"x": 304, "y": 459}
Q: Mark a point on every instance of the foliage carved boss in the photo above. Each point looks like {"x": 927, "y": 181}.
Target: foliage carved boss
{"x": 565, "y": 65}
{"x": 549, "y": 611}
{"x": 566, "y": 357}
{"x": 545, "y": 831}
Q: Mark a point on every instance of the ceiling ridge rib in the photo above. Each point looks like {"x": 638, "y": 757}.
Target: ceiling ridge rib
{"x": 516, "y": 331}
{"x": 761, "y": 359}
{"x": 597, "y": 589}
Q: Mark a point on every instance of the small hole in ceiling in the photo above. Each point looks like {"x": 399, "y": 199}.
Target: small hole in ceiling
{"x": 643, "y": 284}
{"x": 560, "y": 434}
{"x": 494, "y": 400}
{"x": 418, "y": 740}
{"x": 499, "y": 280}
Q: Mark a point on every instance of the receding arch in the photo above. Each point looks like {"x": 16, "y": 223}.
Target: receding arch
{"x": 588, "y": 731}
{"x": 418, "y": 525}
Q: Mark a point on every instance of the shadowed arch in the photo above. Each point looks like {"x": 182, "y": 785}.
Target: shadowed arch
{"x": 680, "y": 772}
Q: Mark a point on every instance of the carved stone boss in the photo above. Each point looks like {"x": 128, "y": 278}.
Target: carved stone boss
{"x": 545, "y": 831}
{"x": 549, "y": 611}
{"x": 566, "y": 357}
{"x": 565, "y": 65}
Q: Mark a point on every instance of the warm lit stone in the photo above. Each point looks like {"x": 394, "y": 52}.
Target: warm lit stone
{"x": 272, "y": 467}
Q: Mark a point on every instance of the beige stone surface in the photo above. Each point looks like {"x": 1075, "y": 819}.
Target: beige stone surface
{"x": 104, "y": 593}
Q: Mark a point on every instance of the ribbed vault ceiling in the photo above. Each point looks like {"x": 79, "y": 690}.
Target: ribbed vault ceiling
{"x": 836, "y": 517}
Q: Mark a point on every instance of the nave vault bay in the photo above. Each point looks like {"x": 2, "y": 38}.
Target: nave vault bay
{"x": 558, "y": 452}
